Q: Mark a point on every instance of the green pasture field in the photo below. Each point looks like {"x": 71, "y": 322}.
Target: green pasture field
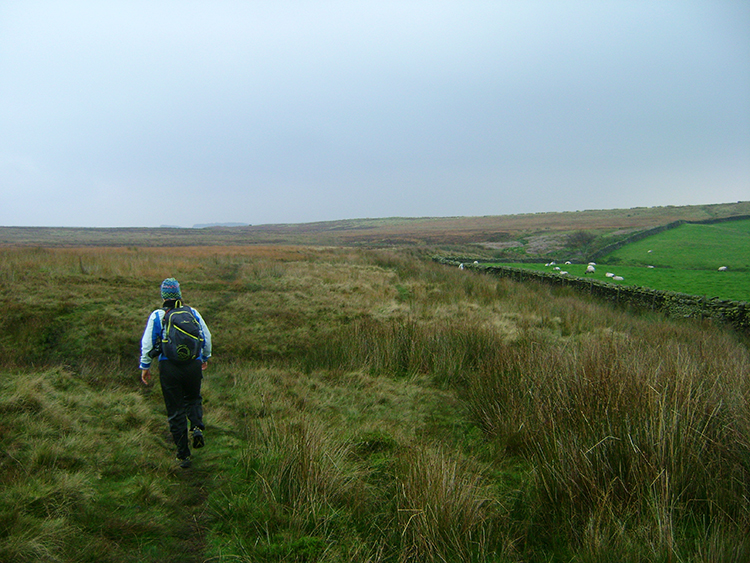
{"x": 691, "y": 246}
{"x": 730, "y": 284}
{"x": 685, "y": 259}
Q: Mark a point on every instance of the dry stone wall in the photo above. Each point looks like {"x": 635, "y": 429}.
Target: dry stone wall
{"x": 673, "y": 304}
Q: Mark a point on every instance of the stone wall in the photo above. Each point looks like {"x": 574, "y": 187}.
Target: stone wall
{"x": 673, "y": 304}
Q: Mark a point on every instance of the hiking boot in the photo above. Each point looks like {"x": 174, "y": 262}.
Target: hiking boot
{"x": 185, "y": 463}
{"x": 198, "y": 440}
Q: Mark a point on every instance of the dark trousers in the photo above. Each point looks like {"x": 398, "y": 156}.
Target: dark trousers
{"x": 181, "y": 387}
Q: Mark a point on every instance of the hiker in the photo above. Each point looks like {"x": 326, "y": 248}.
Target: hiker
{"x": 178, "y": 335}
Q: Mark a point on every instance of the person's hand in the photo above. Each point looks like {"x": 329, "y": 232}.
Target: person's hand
{"x": 204, "y": 365}
{"x": 146, "y": 376}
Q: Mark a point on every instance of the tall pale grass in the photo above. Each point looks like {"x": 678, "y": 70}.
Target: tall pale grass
{"x": 637, "y": 427}
{"x": 305, "y": 469}
{"x": 651, "y": 421}
{"x": 408, "y": 346}
{"x": 444, "y": 509}
{"x": 433, "y": 506}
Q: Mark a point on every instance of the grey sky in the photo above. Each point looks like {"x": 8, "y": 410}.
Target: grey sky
{"x": 130, "y": 113}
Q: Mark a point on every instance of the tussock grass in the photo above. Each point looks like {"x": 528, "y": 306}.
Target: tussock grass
{"x": 643, "y": 426}
{"x": 363, "y": 406}
{"x": 443, "y": 509}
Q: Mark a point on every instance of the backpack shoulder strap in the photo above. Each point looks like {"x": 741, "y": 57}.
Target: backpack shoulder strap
{"x": 177, "y": 305}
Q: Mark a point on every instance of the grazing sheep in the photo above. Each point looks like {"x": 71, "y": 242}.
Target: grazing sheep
{"x": 563, "y": 273}
{"x": 568, "y": 262}
{"x": 723, "y": 269}
{"x": 461, "y": 266}
{"x": 618, "y": 278}
{"x": 476, "y": 262}
{"x": 649, "y": 266}
{"x": 609, "y": 275}
{"x": 557, "y": 267}
{"x": 590, "y": 269}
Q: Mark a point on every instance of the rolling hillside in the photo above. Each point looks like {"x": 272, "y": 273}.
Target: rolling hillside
{"x": 520, "y": 236}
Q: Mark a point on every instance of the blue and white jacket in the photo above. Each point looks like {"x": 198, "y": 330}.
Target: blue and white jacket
{"x": 154, "y": 333}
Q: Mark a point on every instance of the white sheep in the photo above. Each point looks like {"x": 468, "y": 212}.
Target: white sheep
{"x": 592, "y": 263}
{"x": 609, "y": 275}
{"x": 557, "y": 268}
{"x": 618, "y": 278}
{"x": 461, "y": 266}
{"x": 563, "y": 273}
{"x": 590, "y": 269}
{"x": 568, "y": 262}
{"x": 723, "y": 269}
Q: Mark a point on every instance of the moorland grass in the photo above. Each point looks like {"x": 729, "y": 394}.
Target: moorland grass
{"x": 363, "y": 406}
{"x": 461, "y": 233}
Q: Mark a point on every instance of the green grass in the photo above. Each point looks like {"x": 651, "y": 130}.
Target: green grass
{"x": 363, "y": 406}
{"x": 692, "y": 247}
{"x": 85, "y": 471}
{"x": 731, "y": 284}
{"x": 685, "y": 259}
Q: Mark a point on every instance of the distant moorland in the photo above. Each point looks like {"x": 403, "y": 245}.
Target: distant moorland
{"x": 500, "y": 236}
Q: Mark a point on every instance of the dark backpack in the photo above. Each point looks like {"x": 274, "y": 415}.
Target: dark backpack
{"x": 182, "y": 341}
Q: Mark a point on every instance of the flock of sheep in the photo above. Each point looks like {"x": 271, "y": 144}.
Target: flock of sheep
{"x": 590, "y": 269}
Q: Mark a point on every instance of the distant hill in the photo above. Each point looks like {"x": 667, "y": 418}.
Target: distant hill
{"x": 208, "y": 225}
{"x": 510, "y": 237}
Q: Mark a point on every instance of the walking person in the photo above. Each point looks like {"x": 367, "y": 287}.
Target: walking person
{"x": 178, "y": 335}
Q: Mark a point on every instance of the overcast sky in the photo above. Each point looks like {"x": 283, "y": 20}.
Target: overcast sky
{"x": 142, "y": 113}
